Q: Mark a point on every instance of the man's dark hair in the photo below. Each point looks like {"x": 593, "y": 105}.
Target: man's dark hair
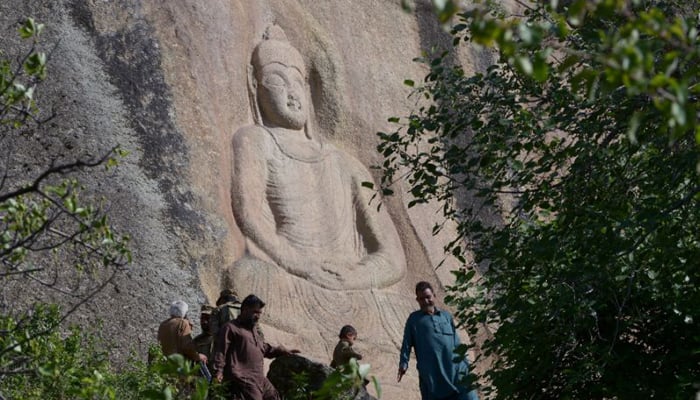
{"x": 422, "y": 285}
{"x": 252, "y": 301}
{"x": 347, "y": 330}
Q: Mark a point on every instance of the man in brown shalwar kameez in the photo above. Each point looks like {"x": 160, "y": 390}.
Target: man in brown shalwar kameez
{"x": 175, "y": 334}
{"x": 239, "y": 354}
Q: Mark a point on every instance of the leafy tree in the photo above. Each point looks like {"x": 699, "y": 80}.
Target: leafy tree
{"x": 76, "y": 365}
{"x": 52, "y": 365}
{"x": 46, "y": 225}
{"x": 582, "y": 137}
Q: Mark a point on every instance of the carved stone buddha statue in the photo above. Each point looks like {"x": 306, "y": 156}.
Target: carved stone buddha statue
{"x": 300, "y": 201}
{"x": 316, "y": 251}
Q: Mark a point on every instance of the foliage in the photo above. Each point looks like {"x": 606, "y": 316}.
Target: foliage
{"x": 581, "y": 140}
{"x": 301, "y": 387}
{"x": 346, "y": 382}
{"x": 43, "y": 218}
{"x": 45, "y": 224}
{"x": 76, "y": 366}
{"x": 172, "y": 377}
{"x": 49, "y": 365}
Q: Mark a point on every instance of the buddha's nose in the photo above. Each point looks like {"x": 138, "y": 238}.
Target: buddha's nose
{"x": 293, "y": 100}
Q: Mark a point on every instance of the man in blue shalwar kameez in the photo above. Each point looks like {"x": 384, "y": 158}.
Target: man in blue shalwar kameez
{"x": 431, "y": 332}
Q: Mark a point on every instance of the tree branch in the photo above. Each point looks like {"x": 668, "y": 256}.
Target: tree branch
{"x": 53, "y": 170}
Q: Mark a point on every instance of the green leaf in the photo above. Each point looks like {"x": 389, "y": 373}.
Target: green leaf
{"x": 28, "y": 29}
{"x": 363, "y": 370}
{"x": 445, "y": 9}
{"x": 633, "y": 128}
{"x": 678, "y": 113}
{"x": 35, "y": 64}
{"x": 377, "y": 387}
{"x": 524, "y": 65}
{"x": 540, "y": 69}
{"x": 576, "y": 12}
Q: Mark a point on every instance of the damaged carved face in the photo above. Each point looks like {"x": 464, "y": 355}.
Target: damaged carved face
{"x": 282, "y": 96}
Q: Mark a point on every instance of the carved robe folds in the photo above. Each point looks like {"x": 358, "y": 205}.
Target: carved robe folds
{"x": 314, "y": 219}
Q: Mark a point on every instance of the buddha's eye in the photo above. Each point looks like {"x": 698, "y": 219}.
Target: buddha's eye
{"x": 273, "y": 80}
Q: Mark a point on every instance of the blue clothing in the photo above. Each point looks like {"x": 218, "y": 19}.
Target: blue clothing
{"x": 434, "y": 339}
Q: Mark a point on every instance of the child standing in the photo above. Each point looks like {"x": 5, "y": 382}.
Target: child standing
{"x": 343, "y": 350}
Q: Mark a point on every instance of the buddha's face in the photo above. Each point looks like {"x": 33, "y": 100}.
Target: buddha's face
{"x": 281, "y": 95}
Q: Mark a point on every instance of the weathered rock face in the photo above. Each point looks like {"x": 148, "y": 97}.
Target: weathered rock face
{"x": 172, "y": 82}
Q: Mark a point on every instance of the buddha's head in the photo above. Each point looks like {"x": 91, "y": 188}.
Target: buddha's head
{"x": 280, "y": 77}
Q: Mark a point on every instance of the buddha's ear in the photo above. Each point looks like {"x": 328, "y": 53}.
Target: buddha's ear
{"x": 252, "y": 82}
{"x": 253, "y": 95}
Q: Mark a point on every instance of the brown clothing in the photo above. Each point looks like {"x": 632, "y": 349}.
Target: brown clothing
{"x": 343, "y": 352}
{"x": 175, "y": 336}
{"x": 239, "y": 353}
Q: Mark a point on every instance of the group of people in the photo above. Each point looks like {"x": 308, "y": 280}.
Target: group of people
{"x": 233, "y": 347}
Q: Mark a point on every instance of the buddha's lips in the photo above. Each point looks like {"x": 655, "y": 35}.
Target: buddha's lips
{"x": 294, "y": 104}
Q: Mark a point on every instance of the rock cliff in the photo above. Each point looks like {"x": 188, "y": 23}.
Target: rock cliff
{"x": 169, "y": 81}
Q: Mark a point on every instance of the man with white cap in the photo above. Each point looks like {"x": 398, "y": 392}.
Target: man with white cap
{"x": 175, "y": 334}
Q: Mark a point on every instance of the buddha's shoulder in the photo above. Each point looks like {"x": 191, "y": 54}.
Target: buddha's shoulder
{"x": 251, "y": 135}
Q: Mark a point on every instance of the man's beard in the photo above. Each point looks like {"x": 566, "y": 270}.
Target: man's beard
{"x": 248, "y": 322}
